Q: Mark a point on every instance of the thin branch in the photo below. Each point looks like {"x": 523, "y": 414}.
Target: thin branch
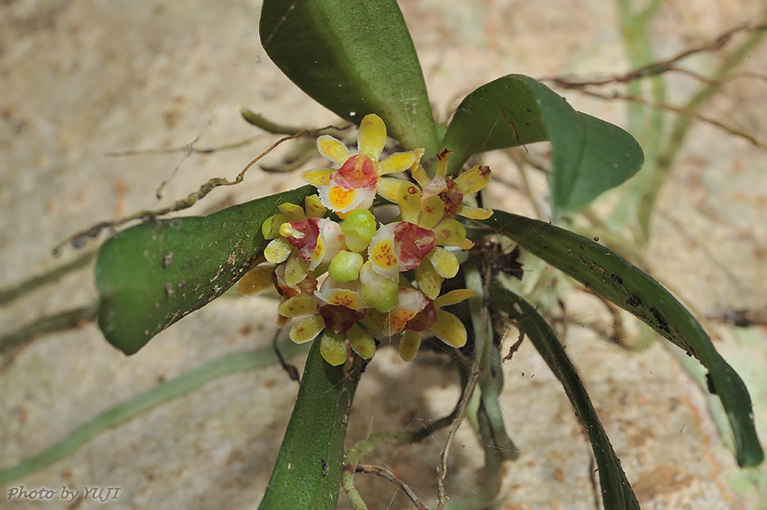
{"x": 187, "y": 150}
{"x": 657, "y": 68}
{"x": 681, "y": 111}
{"x": 269, "y": 126}
{"x": 291, "y": 370}
{"x": 15, "y": 292}
{"x": 71, "y": 319}
{"x": 387, "y": 474}
{"x": 79, "y": 239}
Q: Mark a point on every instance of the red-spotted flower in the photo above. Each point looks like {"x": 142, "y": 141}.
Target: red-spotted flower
{"x": 353, "y": 186}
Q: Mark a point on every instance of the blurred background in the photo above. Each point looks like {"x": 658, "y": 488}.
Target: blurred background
{"x": 103, "y": 102}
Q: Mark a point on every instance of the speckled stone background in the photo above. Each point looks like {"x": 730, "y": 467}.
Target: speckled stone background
{"x": 82, "y": 79}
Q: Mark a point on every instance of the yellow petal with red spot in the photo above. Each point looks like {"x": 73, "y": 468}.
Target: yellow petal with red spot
{"x": 398, "y": 162}
{"x": 371, "y": 137}
{"x": 292, "y": 212}
{"x": 453, "y": 297}
{"x": 409, "y": 345}
{"x": 257, "y": 280}
{"x": 278, "y": 250}
{"x": 432, "y": 210}
{"x": 445, "y": 263}
{"x": 319, "y": 177}
{"x": 449, "y": 329}
{"x": 361, "y": 341}
{"x": 443, "y": 158}
{"x": 429, "y": 281}
{"x": 474, "y": 179}
{"x": 333, "y": 349}
{"x": 340, "y": 198}
{"x": 296, "y": 269}
{"x": 306, "y": 329}
{"x": 381, "y": 253}
{"x": 474, "y": 213}
{"x": 345, "y": 297}
{"x": 397, "y": 320}
{"x": 389, "y": 188}
{"x": 409, "y": 201}
{"x": 314, "y": 207}
{"x": 299, "y": 306}
{"x": 332, "y": 149}
{"x": 449, "y": 232}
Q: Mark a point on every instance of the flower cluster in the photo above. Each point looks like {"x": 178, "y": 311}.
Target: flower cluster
{"x": 354, "y": 280}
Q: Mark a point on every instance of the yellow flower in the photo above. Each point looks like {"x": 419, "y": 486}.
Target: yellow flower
{"x": 353, "y": 186}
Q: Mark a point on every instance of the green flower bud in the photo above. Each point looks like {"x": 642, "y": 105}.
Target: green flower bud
{"x": 345, "y": 267}
{"x": 379, "y": 292}
{"x": 359, "y": 228}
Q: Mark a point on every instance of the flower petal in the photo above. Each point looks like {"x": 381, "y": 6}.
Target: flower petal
{"x": 292, "y": 212}
{"x": 450, "y": 233}
{"x": 333, "y": 349}
{"x": 445, "y": 263}
{"x": 257, "y": 280}
{"x": 361, "y": 341}
{"x": 398, "y": 162}
{"x": 443, "y": 158}
{"x": 412, "y": 244}
{"x": 409, "y": 303}
{"x": 278, "y": 250}
{"x": 432, "y": 210}
{"x": 342, "y": 200}
{"x": 474, "y": 179}
{"x": 341, "y": 294}
{"x": 333, "y": 149}
{"x": 299, "y": 306}
{"x": 419, "y": 174}
{"x": 453, "y": 297}
{"x": 429, "y": 281}
{"x": 296, "y": 269}
{"x": 314, "y": 207}
{"x": 330, "y": 241}
{"x": 474, "y": 213}
{"x": 270, "y": 228}
{"x": 449, "y": 329}
{"x": 320, "y": 177}
{"x": 382, "y": 254}
{"x": 389, "y": 188}
{"x": 409, "y": 344}
{"x": 371, "y": 137}
{"x": 306, "y": 329}
{"x": 409, "y": 201}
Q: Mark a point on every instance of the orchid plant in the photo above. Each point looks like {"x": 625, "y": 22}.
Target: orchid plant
{"x": 353, "y": 275}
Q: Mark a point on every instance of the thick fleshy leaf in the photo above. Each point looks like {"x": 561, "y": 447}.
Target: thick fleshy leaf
{"x": 589, "y": 156}
{"x": 616, "y": 279}
{"x": 307, "y": 473}
{"x": 151, "y": 275}
{"x": 354, "y": 58}
{"x": 616, "y": 489}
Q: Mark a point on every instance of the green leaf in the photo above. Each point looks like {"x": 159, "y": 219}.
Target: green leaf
{"x": 617, "y": 493}
{"x": 354, "y": 58}
{"x": 308, "y": 469}
{"x": 151, "y": 275}
{"x": 589, "y": 156}
{"x": 616, "y": 279}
